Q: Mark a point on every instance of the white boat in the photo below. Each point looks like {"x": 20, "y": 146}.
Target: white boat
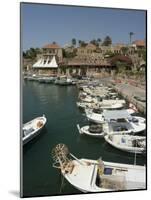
{"x": 86, "y": 105}
{"x": 121, "y": 122}
{"x": 46, "y": 79}
{"x": 94, "y": 130}
{"x": 138, "y": 123}
{"x": 99, "y": 118}
{"x": 129, "y": 143}
{"x": 95, "y": 117}
{"x": 32, "y": 128}
{"x": 111, "y": 106}
{"x": 97, "y": 175}
{"x": 113, "y": 101}
{"x": 87, "y": 99}
{"x": 63, "y": 80}
{"x": 91, "y": 103}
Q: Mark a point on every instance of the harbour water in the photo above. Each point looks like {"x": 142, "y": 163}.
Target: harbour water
{"x": 58, "y": 103}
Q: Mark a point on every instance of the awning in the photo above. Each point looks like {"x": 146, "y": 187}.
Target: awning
{"x": 48, "y": 64}
{"x": 116, "y": 114}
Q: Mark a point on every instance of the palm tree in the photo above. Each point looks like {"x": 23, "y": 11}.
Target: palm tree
{"x": 107, "y": 41}
{"x": 31, "y": 53}
{"x": 82, "y": 43}
{"x": 79, "y": 42}
{"x": 130, "y": 34}
{"x": 99, "y": 40}
{"x": 73, "y": 41}
{"x": 93, "y": 41}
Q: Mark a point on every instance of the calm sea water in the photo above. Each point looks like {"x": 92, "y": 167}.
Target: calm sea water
{"x": 58, "y": 103}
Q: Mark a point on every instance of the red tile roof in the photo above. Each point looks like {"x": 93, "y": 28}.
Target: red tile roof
{"x": 139, "y": 43}
{"x": 120, "y": 58}
{"x": 51, "y": 46}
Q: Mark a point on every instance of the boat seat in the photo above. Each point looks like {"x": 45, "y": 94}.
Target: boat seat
{"x": 27, "y": 131}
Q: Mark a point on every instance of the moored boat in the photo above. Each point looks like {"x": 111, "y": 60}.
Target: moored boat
{"x": 85, "y": 105}
{"x": 138, "y": 123}
{"x": 101, "y": 116}
{"x": 97, "y": 175}
{"x": 121, "y": 122}
{"x": 128, "y": 143}
{"x": 32, "y": 128}
{"x": 95, "y": 117}
{"x": 64, "y": 81}
{"x": 93, "y": 130}
{"x": 46, "y": 79}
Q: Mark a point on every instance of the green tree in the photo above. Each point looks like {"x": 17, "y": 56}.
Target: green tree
{"x": 120, "y": 67}
{"x": 107, "y": 41}
{"x": 144, "y": 54}
{"x": 73, "y": 42}
{"x": 31, "y": 53}
{"x": 99, "y": 40}
{"x": 69, "y": 54}
{"x": 93, "y": 42}
{"x": 130, "y": 35}
{"x": 110, "y": 54}
{"x": 79, "y": 42}
{"x": 124, "y": 50}
{"x": 24, "y": 54}
{"x": 82, "y": 43}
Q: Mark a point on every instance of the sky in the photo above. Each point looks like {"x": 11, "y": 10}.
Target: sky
{"x": 42, "y": 24}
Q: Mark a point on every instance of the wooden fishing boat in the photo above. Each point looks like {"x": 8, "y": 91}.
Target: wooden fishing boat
{"x": 97, "y": 175}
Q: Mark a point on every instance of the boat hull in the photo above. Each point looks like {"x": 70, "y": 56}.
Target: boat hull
{"x": 87, "y": 183}
{"x": 97, "y": 118}
{"x": 124, "y": 148}
{"x": 35, "y": 130}
{"x": 85, "y": 130}
{"x": 31, "y": 137}
{"x": 140, "y": 126}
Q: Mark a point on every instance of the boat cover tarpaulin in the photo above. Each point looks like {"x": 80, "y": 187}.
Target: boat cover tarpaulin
{"x": 116, "y": 114}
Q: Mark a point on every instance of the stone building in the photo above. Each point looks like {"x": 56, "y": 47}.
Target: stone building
{"x": 88, "y": 60}
{"x": 89, "y": 51}
{"x": 113, "y": 49}
{"x": 48, "y": 61}
{"x": 139, "y": 44}
{"x": 50, "y": 50}
{"x": 84, "y": 67}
